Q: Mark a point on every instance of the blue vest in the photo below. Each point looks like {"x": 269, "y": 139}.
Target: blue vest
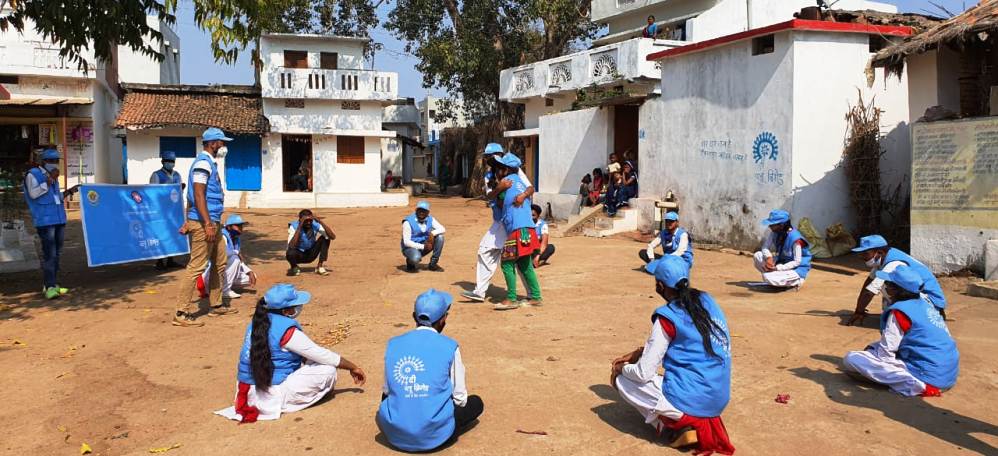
{"x": 670, "y": 242}
{"x": 285, "y": 362}
{"x": 418, "y": 413}
{"x": 307, "y": 238}
{"x": 695, "y": 382}
{"x": 930, "y": 287}
{"x": 786, "y": 253}
{"x": 167, "y": 178}
{"x": 418, "y": 234}
{"x": 539, "y": 227}
{"x": 47, "y": 210}
{"x": 927, "y": 349}
{"x": 514, "y": 218}
{"x": 496, "y": 210}
{"x": 214, "y": 195}
{"x": 231, "y": 244}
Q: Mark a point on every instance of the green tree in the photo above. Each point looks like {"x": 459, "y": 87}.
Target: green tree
{"x": 330, "y": 17}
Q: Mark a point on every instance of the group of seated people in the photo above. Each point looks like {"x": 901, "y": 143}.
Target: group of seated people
{"x": 612, "y": 188}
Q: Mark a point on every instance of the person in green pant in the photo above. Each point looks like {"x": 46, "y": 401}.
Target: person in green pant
{"x": 521, "y": 240}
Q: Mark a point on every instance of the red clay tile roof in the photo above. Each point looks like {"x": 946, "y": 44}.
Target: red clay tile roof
{"x": 235, "y": 109}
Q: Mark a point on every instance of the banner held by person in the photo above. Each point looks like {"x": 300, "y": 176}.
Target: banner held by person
{"x": 126, "y": 223}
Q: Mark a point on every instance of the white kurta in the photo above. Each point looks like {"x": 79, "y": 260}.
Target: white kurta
{"x": 880, "y": 364}
{"x": 640, "y": 385}
{"x": 784, "y": 276}
{"x": 237, "y": 274}
{"x": 304, "y": 387}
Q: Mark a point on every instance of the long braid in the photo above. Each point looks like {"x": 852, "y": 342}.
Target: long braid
{"x": 689, "y": 300}
{"x": 261, "y": 363}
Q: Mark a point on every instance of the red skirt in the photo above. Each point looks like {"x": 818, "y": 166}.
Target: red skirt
{"x": 520, "y": 243}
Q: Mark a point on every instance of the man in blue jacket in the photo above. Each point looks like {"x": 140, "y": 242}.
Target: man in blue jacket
{"x": 41, "y": 191}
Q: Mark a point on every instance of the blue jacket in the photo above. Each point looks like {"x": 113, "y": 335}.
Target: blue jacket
{"x": 214, "y": 195}
{"x": 418, "y": 413}
{"x": 514, "y": 218}
{"x": 786, "y": 253}
{"x": 165, "y": 178}
{"x": 48, "y": 209}
{"x": 930, "y": 285}
{"x": 670, "y": 242}
{"x": 418, "y": 234}
{"x": 285, "y": 362}
{"x": 695, "y": 382}
{"x": 927, "y": 349}
{"x": 307, "y": 238}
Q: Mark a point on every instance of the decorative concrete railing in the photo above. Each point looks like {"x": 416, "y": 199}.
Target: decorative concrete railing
{"x": 280, "y": 82}
{"x": 40, "y": 59}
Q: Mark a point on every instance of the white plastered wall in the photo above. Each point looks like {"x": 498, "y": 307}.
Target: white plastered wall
{"x": 572, "y": 144}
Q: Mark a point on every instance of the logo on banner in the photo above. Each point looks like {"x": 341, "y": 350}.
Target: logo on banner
{"x": 174, "y": 196}
{"x": 765, "y": 146}
{"x": 93, "y": 197}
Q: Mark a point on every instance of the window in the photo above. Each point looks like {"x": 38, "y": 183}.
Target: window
{"x": 878, "y": 42}
{"x": 763, "y": 45}
{"x": 183, "y": 146}
{"x": 328, "y": 60}
{"x": 350, "y": 149}
{"x": 548, "y": 102}
{"x": 433, "y": 115}
{"x": 295, "y": 59}
{"x": 295, "y": 103}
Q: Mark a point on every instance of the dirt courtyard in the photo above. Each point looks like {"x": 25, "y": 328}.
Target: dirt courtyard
{"x": 103, "y": 365}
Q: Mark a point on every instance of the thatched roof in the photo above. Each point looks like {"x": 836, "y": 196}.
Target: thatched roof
{"x": 958, "y": 29}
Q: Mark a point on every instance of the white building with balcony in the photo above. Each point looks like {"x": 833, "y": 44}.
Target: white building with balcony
{"x": 581, "y": 107}
{"x": 403, "y": 118}
{"x": 326, "y": 141}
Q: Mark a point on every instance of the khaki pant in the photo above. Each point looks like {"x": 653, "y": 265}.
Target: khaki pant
{"x": 201, "y": 252}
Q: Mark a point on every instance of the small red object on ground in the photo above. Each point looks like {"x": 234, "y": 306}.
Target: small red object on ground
{"x": 783, "y": 398}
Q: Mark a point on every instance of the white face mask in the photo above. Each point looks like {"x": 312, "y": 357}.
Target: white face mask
{"x": 221, "y": 152}
{"x": 51, "y": 167}
{"x": 873, "y": 262}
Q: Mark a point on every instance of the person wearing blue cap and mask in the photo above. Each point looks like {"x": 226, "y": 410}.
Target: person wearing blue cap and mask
{"x": 45, "y": 200}
{"x": 521, "y": 240}
{"x": 205, "y": 203}
{"x": 916, "y": 355}
{"x": 674, "y": 241}
{"x": 785, "y": 257}
{"x": 421, "y": 235}
{"x": 880, "y": 257}
{"x": 280, "y": 369}
{"x": 490, "y": 247}
{"x": 425, "y": 402}
{"x": 166, "y": 175}
{"x": 308, "y": 240}
{"x": 691, "y": 341}
{"x": 237, "y": 273}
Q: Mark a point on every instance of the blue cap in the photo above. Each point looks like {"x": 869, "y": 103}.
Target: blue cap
{"x": 873, "y": 241}
{"x": 50, "y": 154}
{"x": 168, "y": 155}
{"x": 425, "y": 205}
{"x": 431, "y": 306}
{"x": 672, "y": 216}
{"x": 284, "y": 295}
{"x": 777, "y": 216}
{"x": 669, "y": 270}
{"x": 492, "y": 149}
{"x": 235, "y": 219}
{"x": 214, "y": 134}
{"x": 510, "y": 160}
{"x": 904, "y": 277}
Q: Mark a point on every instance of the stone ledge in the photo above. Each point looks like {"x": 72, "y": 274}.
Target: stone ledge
{"x": 984, "y": 289}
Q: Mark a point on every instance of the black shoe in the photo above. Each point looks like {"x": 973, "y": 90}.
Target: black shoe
{"x": 410, "y": 268}
{"x": 435, "y": 267}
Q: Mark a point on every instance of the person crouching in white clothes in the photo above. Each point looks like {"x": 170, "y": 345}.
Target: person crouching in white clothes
{"x": 280, "y": 369}
{"x": 237, "y": 274}
{"x": 784, "y": 259}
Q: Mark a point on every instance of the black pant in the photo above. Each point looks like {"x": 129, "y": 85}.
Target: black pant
{"x": 320, "y": 249}
{"x": 644, "y": 256}
{"x": 547, "y": 252}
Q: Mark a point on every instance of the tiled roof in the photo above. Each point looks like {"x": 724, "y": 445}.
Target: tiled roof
{"x": 234, "y": 109}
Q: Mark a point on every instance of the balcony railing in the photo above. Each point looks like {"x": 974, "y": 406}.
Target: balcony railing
{"x": 38, "y": 58}
{"x": 280, "y": 82}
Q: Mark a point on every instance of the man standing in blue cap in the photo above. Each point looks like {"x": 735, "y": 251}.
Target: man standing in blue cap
{"x": 422, "y": 234}
{"x": 425, "y": 402}
{"x": 166, "y": 175}
{"x": 41, "y": 191}
{"x": 785, "y": 258}
{"x": 880, "y": 257}
{"x": 205, "y": 203}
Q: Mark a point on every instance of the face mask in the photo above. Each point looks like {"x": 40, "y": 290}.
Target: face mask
{"x": 221, "y": 152}
{"x": 296, "y": 313}
{"x": 50, "y": 167}
{"x": 873, "y": 262}
{"x": 168, "y": 166}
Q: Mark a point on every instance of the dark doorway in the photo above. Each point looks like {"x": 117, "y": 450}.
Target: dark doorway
{"x": 296, "y": 154}
{"x": 15, "y": 147}
{"x": 625, "y": 132}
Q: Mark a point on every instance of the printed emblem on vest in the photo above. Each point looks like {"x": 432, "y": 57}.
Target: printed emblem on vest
{"x": 935, "y": 318}
{"x": 405, "y": 375}
{"x": 724, "y": 343}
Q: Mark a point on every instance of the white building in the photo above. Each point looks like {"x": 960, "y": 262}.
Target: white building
{"x": 754, "y": 121}
{"x": 403, "y": 118}
{"x": 431, "y": 128}
{"x": 569, "y": 135}
{"x": 325, "y": 113}
{"x": 46, "y": 101}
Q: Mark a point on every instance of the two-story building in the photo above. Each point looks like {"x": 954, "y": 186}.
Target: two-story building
{"x": 581, "y": 107}
{"x": 403, "y": 118}
{"x": 325, "y": 111}
{"x": 432, "y": 126}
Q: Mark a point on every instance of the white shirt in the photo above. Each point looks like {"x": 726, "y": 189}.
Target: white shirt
{"x": 890, "y": 340}
{"x": 202, "y": 170}
{"x": 436, "y": 230}
{"x": 876, "y": 285}
{"x": 460, "y": 394}
{"x": 301, "y": 345}
{"x": 545, "y": 230}
{"x": 684, "y": 243}
{"x": 321, "y": 232}
{"x": 37, "y": 189}
{"x": 647, "y": 366}
{"x": 769, "y": 246}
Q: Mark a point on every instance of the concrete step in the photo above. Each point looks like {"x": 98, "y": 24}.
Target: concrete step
{"x": 577, "y": 223}
{"x": 603, "y": 226}
{"x": 984, "y": 289}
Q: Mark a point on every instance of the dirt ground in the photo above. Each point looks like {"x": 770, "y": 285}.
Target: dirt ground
{"x": 103, "y": 366}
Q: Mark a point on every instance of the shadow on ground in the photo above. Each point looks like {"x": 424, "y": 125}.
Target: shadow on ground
{"x": 620, "y": 415}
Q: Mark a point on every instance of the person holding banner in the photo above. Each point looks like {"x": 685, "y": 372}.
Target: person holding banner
{"x": 166, "y": 175}
{"x": 204, "y": 213}
{"x": 41, "y": 191}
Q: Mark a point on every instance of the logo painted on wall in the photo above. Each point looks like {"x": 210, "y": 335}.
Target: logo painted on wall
{"x": 765, "y": 146}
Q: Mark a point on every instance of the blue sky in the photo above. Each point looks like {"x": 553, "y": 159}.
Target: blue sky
{"x": 198, "y": 67}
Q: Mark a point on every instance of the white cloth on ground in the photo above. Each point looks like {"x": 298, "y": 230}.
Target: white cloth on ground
{"x": 436, "y": 230}
{"x": 782, "y": 279}
{"x": 460, "y": 393}
{"x": 880, "y": 364}
{"x": 640, "y": 385}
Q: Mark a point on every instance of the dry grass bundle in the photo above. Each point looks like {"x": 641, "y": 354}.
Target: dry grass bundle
{"x": 862, "y": 164}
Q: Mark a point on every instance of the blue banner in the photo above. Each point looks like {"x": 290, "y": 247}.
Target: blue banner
{"x": 125, "y": 223}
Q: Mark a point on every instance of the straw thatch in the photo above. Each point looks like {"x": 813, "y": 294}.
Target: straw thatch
{"x": 957, "y": 30}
